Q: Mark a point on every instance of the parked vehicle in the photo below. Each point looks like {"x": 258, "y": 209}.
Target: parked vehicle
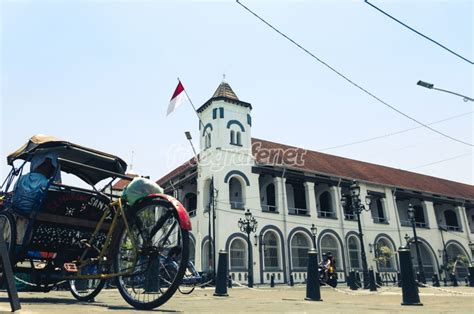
{"x": 57, "y": 233}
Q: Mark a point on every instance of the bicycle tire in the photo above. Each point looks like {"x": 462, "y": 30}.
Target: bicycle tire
{"x": 9, "y": 235}
{"x": 186, "y": 289}
{"x": 89, "y": 295}
{"x": 144, "y": 217}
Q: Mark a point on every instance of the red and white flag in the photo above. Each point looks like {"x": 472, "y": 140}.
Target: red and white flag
{"x": 179, "y": 96}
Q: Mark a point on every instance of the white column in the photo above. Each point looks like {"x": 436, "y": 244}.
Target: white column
{"x": 310, "y": 197}
{"x": 430, "y": 214}
{"x": 336, "y": 201}
{"x": 280, "y": 187}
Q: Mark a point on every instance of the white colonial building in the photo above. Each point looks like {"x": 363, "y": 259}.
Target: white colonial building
{"x": 288, "y": 189}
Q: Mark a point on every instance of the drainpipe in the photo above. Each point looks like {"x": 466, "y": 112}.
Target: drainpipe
{"x": 397, "y": 216}
{"x": 285, "y": 227}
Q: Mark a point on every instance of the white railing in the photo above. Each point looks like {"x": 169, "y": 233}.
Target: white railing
{"x": 380, "y": 220}
{"x": 237, "y": 205}
{"x": 298, "y": 211}
{"x": 326, "y": 214}
{"x": 407, "y": 223}
{"x": 451, "y": 228}
{"x": 269, "y": 208}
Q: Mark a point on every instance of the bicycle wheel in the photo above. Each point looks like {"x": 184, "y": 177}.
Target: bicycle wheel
{"x": 156, "y": 231}
{"x": 85, "y": 290}
{"x": 8, "y": 229}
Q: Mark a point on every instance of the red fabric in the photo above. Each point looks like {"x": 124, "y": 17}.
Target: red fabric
{"x": 179, "y": 89}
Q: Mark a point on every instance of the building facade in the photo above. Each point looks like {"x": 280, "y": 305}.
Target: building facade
{"x": 288, "y": 189}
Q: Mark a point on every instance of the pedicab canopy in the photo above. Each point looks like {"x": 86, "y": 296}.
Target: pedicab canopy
{"x": 90, "y": 165}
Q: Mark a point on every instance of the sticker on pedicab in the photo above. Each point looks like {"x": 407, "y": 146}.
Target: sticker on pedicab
{"x": 75, "y": 204}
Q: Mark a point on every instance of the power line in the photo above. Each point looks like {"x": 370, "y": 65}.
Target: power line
{"x": 419, "y": 33}
{"x": 352, "y": 82}
{"x": 393, "y": 133}
{"x": 440, "y": 161}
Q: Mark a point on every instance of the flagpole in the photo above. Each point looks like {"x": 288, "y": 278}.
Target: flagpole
{"x": 192, "y": 105}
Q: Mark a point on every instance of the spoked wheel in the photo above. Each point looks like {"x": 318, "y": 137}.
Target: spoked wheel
{"x": 156, "y": 242}
{"x": 85, "y": 290}
{"x": 8, "y": 229}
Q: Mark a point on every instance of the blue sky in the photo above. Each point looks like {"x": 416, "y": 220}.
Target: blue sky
{"x": 100, "y": 73}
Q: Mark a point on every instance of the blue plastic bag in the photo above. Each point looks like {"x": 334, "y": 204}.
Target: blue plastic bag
{"x": 29, "y": 192}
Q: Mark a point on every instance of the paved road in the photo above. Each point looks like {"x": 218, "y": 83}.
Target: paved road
{"x": 263, "y": 300}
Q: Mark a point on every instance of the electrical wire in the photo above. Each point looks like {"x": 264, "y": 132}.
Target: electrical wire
{"x": 393, "y": 133}
{"x": 352, "y": 82}
{"x": 440, "y": 161}
{"x": 419, "y": 33}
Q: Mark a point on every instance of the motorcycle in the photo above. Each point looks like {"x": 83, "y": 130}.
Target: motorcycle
{"x": 327, "y": 275}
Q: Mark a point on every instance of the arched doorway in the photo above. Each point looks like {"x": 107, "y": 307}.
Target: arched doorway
{"x": 458, "y": 260}
{"x": 272, "y": 253}
{"x": 427, "y": 258}
{"x": 329, "y": 243}
{"x": 236, "y": 194}
{"x": 300, "y": 245}
{"x": 238, "y": 255}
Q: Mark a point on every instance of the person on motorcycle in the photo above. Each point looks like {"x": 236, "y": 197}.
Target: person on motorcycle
{"x": 330, "y": 264}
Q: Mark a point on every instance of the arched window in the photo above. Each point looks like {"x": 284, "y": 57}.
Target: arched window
{"x": 385, "y": 255}
{"x": 271, "y": 198}
{"x": 353, "y": 246}
{"x": 330, "y": 244}
{"x": 271, "y": 252}
{"x": 451, "y": 219}
{"x": 325, "y": 205}
{"x": 427, "y": 259}
{"x": 299, "y": 251}
{"x": 208, "y": 141}
{"x": 235, "y": 194}
{"x": 419, "y": 214}
{"x": 456, "y": 256}
{"x": 238, "y": 255}
{"x": 239, "y": 138}
{"x": 232, "y": 137}
{"x": 190, "y": 203}
{"x": 192, "y": 250}
{"x": 205, "y": 257}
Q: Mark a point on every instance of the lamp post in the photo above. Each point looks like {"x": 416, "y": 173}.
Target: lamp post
{"x": 445, "y": 254}
{"x": 357, "y": 207}
{"x": 431, "y": 86}
{"x": 249, "y": 225}
{"x": 411, "y": 216}
{"x": 314, "y": 231}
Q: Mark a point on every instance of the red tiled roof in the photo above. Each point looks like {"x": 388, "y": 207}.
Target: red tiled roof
{"x": 122, "y": 183}
{"x": 354, "y": 169}
{"x": 176, "y": 172}
{"x": 270, "y": 153}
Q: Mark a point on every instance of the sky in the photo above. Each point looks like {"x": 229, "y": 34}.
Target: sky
{"x": 101, "y": 74}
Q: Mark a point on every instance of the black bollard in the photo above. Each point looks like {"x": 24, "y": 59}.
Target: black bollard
{"x": 222, "y": 271}
{"x": 435, "y": 280}
{"x": 152, "y": 278}
{"x": 292, "y": 281}
{"x": 471, "y": 276}
{"x": 358, "y": 280}
{"x": 454, "y": 280}
{"x": 409, "y": 287}
{"x": 378, "y": 279}
{"x": 313, "y": 289}
{"x": 229, "y": 282}
{"x": 372, "y": 285}
{"x": 272, "y": 281}
{"x": 353, "y": 281}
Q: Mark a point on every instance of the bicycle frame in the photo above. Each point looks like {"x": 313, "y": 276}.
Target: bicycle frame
{"x": 119, "y": 212}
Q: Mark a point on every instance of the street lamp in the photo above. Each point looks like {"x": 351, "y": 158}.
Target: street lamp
{"x": 445, "y": 255}
{"x": 431, "y": 86}
{"x": 357, "y": 207}
{"x": 411, "y": 216}
{"x": 314, "y": 230}
{"x": 249, "y": 225}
